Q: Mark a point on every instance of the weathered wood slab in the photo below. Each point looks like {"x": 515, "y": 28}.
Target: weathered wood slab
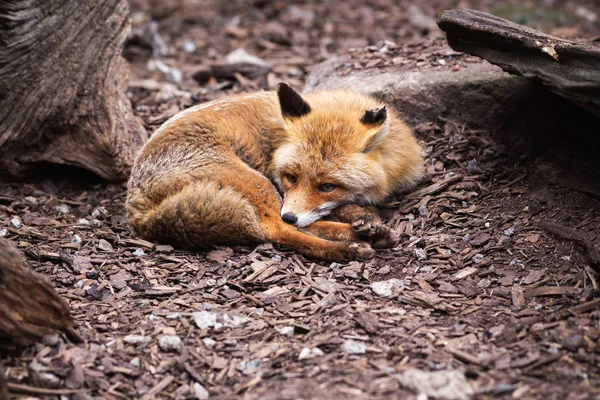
{"x": 567, "y": 68}
{"x": 30, "y": 307}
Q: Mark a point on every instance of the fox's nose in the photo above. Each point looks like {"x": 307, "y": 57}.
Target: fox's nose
{"x": 289, "y": 218}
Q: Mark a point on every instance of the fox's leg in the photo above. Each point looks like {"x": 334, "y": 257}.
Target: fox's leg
{"x": 261, "y": 194}
{"x": 366, "y": 224}
{"x": 332, "y": 230}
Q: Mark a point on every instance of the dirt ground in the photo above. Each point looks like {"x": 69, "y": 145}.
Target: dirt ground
{"x": 476, "y": 283}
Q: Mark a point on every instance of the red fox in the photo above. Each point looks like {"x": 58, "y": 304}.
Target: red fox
{"x": 269, "y": 166}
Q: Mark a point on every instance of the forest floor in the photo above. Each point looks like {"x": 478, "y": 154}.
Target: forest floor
{"x": 477, "y": 292}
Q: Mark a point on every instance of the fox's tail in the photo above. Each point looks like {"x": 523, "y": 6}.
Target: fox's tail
{"x": 199, "y": 215}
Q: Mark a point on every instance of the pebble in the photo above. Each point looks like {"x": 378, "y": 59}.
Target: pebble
{"x": 509, "y": 232}
{"x": 76, "y": 239}
{"x": 15, "y": 222}
{"x": 388, "y": 288}
{"x": 170, "y": 343}
{"x": 205, "y": 319}
{"x": 136, "y": 339}
{"x": 139, "y": 253}
{"x": 421, "y": 254}
{"x": 353, "y": 347}
{"x": 200, "y": 392}
{"x": 307, "y": 353}
{"x": 209, "y": 343}
{"x": 242, "y": 56}
{"x": 286, "y": 330}
{"x": 62, "y": 208}
{"x": 188, "y": 46}
{"x": 173, "y": 316}
{"x": 135, "y": 361}
{"x": 3, "y": 232}
{"x": 104, "y": 245}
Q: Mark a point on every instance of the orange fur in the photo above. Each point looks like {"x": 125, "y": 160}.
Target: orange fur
{"x": 210, "y": 174}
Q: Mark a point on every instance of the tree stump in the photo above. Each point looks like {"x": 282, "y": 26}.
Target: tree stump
{"x": 62, "y": 87}
{"x": 567, "y": 68}
{"x": 31, "y": 308}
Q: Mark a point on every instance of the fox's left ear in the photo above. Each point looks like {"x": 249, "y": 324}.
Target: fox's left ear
{"x": 292, "y": 104}
{"x": 377, "y": 120}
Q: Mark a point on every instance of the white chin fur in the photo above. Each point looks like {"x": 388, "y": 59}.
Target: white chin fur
{"x": 305, "y": 219}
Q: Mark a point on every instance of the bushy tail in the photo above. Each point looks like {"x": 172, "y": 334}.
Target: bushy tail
{"x": 200, "y": 215}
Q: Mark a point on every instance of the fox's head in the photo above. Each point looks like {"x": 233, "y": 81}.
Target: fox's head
{"x": 341, "y": 147}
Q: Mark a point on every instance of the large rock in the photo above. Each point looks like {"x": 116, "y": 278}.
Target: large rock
{"x": 569, "y": 69}
{"x": 479, "y": 94}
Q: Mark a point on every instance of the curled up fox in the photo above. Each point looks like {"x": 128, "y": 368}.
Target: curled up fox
{"x": 274, "y": 166}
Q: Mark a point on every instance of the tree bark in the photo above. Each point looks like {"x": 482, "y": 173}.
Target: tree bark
{"x": 569, "y": 69}
{"x": 62, "y": 87}
{"x": 31, "y": 308}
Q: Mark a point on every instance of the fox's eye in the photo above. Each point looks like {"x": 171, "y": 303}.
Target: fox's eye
{"x": 291, "y": 179}
{"x": 327, "y": 187}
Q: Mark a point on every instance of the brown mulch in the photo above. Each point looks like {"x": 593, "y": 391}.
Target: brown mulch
{"x": 475, "y": 284}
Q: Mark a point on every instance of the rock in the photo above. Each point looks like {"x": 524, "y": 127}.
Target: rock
{"x": 104, "y": 245}
{"x": 487, "y": 96}
{"x": 41, "y": 377}
{"x": 170, "y": 343}
{"x": 139, "y": 253}
{"x": 240, "y": 56}
{"x": 199, "y": 391}
{"x": 15, "y": 222}
{"x": 442, "y": 385}
{"x": 248, "y": 367}
{"x": 76, "y": 239}
{"x": 388, "y": 288}
{"x": 209, "y": 343}
{"x": 353, "y": 347}
{"x": 135, "y": 362}
{"x": 83, "y": 221}
{"x": 62, "y": 208}
{"x": 136, "y": 339}
{"x": 188, "y": 46}
{"x": 3, "y": 232}
{"x": 208, "y": 319}
{"x": 286, "y": 330}
{"x": 567, "y": 68}
{"x": 308, "y": 353}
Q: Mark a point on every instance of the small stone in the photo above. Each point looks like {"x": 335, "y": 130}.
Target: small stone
{"x": 442, "y": 385}
{"x": 286, "y": 330}
{"x": 353, "y": 347}
{"x": 209, "y": 343}
{"x": 139, "y": 253}
{"x": 105, "y": 246}
{"x": 467, "y": 238}
{"x": 76, "y": 239}
{"x": 204, "y": 319}
{"x": 388, "y": 288}
{"x": 199, "y": 391}
{"x": 248, "y": 367}
{"x": 478, "y": 258}
{"x": 509, "y": 232}
{"x": 188, "y": 46}
{"x": 96, "y": 214}
{"x": 135, "y": 361}
{"x": 136, "y": 339}
{"x": 173, "y": 316}
{"x": 307, "y": 353}
{"x": 3, "y": 232}
{"x": 421, "y": 254}
{"x": 83, "y": 221}
{"x": 170, "y": 343}
{"x": 62, "y": 208}
{"x": 238, "y": 56}
{"x": 15, "y": 222}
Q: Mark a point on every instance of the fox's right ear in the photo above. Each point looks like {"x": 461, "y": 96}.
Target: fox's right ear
{"x": 292, "y": 104}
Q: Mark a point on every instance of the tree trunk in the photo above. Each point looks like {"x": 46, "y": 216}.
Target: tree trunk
{"x": 62, "y": 87}
{"x": 31, "y": 308}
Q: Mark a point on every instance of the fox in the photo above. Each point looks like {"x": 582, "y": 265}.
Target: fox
{"x": 300, "y": 171}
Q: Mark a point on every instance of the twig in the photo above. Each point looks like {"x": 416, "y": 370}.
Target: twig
{"x": 17, "y": 388}
{"x": 571, "y": 234}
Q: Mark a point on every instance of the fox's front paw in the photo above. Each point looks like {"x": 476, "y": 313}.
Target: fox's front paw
{"x": 359, "y": 251}
{"x": 369, "y": 226}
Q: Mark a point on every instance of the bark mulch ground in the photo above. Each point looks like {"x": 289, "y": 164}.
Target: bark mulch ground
{"x": 492, "y": 275}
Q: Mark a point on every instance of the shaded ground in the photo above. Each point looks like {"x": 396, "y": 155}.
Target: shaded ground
{"x": 480, "y": 287}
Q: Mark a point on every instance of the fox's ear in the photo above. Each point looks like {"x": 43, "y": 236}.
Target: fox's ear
{"x": 377, "y": 120}
{"x": 292, "y": 104}
{"x": 376, "y": 116}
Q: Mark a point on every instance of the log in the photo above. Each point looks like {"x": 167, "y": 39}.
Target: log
{"x": 31, "y": 308}
{"x": 62, "y": 87}
{"x": 567, "y": 68}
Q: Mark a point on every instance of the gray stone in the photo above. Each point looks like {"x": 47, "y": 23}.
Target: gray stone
{"x": 442, "y": 385}
{"x": 136, "y": 339}
{"x": 170, "y": 343}
{"x": 199, "y": 391}
{"x": 353, "y": 347}
{"x": 388, "y": 288}
{"x": 480, "y": 94}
